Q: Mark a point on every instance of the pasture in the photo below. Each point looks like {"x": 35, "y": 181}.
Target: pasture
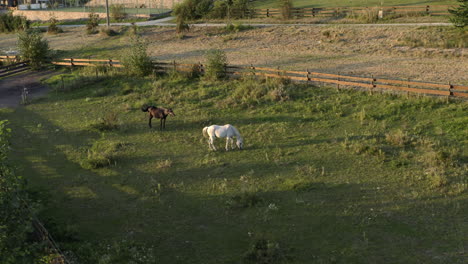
{"x": 357, "y": 3}
{"x": 326, "y": 176}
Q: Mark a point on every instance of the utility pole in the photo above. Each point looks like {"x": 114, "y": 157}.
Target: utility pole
{"x": 107, "y": 14}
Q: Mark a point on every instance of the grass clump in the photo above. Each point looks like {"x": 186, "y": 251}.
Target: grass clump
{"x": 263, "y": 251}
{"x": 101, "y": 154}
{"x": 107, "y": 123}
{"x": 53, "y": 28}
{"x": 369, "y": 15}
{"x": 117, "y": 12}
{"x": 398, "y": 138}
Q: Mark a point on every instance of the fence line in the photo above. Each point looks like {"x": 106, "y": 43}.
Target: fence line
{"x": 372, "y": 83}
{"x": 433, "y": 10}
{"x": 13, "y": 68}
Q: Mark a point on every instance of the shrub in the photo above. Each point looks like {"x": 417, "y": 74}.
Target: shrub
{"x": 53, "y": 28}
{"x": 216, "y": 61}
{"x": 460, "y": 14}
{"x": 219, "y": 9}
{"x": 10, "y": 23}
{"x": 136, "y": 60}
{"x": 33, "y": 48}
{"x": 92, "y": 24}
{"x": 117, "y": 12}
{"x": 286, "y": 7}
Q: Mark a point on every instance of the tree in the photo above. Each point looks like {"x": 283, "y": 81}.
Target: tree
{"x": 460, "y": 14}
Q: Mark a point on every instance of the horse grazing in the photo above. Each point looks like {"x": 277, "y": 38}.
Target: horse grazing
{"x": 226, "y": 131}
{"x": 160, "y": 113}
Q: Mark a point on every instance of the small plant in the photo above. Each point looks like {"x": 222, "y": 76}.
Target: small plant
{"x": 107, "y": 123}
{"x": 163, "y": 164}
{"x": 53, "y": 28}
{"x": 136, "y": 60}
{"x": 263, "y": 251}
{"x": 117, "y": 12}
{"x": 216, "y": 62}
{"x": 92, "y": 24}
{"x": 33, "y": 48}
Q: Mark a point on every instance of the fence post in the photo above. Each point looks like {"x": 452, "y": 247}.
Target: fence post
{"x": 373, "y": 85}
{"x": 110, "y": 63}
{"x": 71, "y": 62}
{"x": 313, "y": 12}
{"x": 308, "y": 75}
{"x": 427, "y": 10}
{"x": 450, "y": 91}
{"x": 174, "y": 64}
{"x": 338, "y": 84}
{"x": 268, "y": 12}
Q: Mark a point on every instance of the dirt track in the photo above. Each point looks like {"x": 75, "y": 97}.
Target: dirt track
{"x": 11, "y": 87}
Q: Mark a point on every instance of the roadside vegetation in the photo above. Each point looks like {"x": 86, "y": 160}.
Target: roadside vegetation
{"x": 326, "y": 174}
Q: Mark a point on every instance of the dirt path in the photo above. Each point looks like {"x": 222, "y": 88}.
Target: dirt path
{"x": 11, "y": 87}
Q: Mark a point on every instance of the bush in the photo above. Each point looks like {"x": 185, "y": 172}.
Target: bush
{"x": 460, "y": 14}
{"x": 117, "y": 12}
{"x": 33, "y": 48}
{"x": 92, "y": 24}
{"x": 53, "y": 28}
{"x": 216, "y": 62}
{"x": 109, "y": 32}
{"x": 136, "y": 60}
{"x": 10, "y": 23}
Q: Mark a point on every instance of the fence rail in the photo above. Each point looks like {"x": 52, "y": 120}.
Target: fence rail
{"x": 371, "y": 83}
{"x": 432, "y": 10}
{"x": 13, "y": 68}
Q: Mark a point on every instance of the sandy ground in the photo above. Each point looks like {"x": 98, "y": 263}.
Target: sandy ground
{"x": 345, "y": 49}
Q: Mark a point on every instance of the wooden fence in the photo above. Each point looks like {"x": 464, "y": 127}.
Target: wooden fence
{"x": 435, "y": 10}
{"x": 13, "y": 68}
{"x": 370, "y": 83}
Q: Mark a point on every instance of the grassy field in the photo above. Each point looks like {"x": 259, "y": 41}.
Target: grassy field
{"x": 338, "y": 3}
{"x": 326, "y": 176}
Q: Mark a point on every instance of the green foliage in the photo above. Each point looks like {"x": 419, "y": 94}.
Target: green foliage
{"x": 460, "y": 14}
{"x": 53, "y": 28}
{"x": 109, "y": 122}
{"x": 135, "y": 58}
{"x": 192, "y": 9}
{"x": 437, "y": 37}
{"x": 117, "y": 12}
{"x": 263, "y": 251}
{"x": 101, "y": 154}
{"x": 286, "y": 7}
{"x": 15, "y": 221}
{"x": 92, "y": 24}
{"x": 237, "y": 27}
{"x": 11, "y": 23}
{"x": 216, "y": 62}
{"x": 33, "y": 48}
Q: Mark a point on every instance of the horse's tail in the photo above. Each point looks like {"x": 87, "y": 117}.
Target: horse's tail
{"x": 205, "y": 131}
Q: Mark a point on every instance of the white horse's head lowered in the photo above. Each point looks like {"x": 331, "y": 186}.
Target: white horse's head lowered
{"x": 240, "y": 142}
{"x": 226, "y": 131}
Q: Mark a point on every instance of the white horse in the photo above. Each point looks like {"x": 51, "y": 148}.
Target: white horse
{"x": 226, "y": 131}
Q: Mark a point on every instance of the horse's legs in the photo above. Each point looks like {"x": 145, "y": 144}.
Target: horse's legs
{"x": 227, "y": 143}
{"x": 161, "y": 124}
{"x": 212, "y": 143}
{"x": 149, "y": 123}
{"x": 232, "y": 143}
{"x": 164, "y": 124}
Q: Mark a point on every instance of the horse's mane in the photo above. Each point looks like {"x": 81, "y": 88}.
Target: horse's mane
{"x": 146, "y": 107}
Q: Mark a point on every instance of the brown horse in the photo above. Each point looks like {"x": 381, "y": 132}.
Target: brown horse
{"x": 160, "y": 113}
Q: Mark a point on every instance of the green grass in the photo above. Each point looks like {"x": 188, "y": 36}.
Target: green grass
{"x": 103, "y": 10}
{"x": 326, "y": 176}
{"x": 340, "y": 3}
